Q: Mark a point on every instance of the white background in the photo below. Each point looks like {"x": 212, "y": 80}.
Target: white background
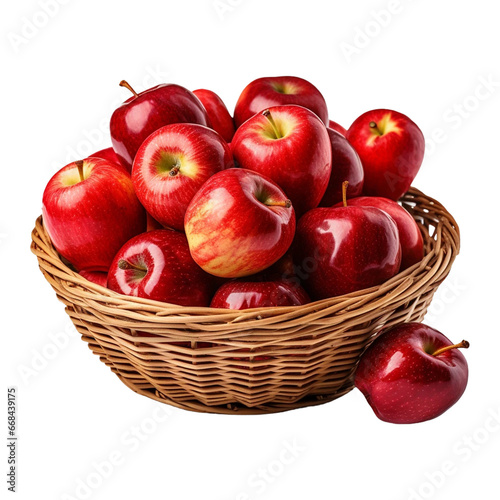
{"x": 59, "y": 87}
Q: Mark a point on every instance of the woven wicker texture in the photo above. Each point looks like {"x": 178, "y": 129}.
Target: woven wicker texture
{"x": 253, "y": 361}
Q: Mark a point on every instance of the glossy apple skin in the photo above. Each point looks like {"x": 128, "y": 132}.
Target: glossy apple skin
{"x": 109, "y": 155}
{"x": 392, "y": 160}
{"x": 97, "y": 277}
{"x": 300, "y": 162}
{"x": 267, "y": 92}
{"x": 231, "y": 232}
{"x": 241, "y": 294}
{"x": 222, "y": 121}
{"x": 346, "y": 166}
{"x": 198, "y": 152}
{"x": 342, "y": 250}
{"x": 337, "y": 127}
{"x": 89, "y": 221}
{"x": 405, "y": 384}
{"x": 170, "y": 274}
{"x": 412, "y": 243}
{"x": 140, "y": 116}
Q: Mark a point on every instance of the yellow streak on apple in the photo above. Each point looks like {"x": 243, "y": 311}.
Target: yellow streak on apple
{"x": 386, "y": 125}
{"x": 286, "y": 88}
{"x": 187, "y": 167}
{"x": 71, "y": 176}
{"x": 284, "y": 123}
{"x": 228, "y": 263}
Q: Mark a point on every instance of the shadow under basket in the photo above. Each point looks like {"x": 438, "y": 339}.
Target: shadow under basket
{"x": 257, "y": 360}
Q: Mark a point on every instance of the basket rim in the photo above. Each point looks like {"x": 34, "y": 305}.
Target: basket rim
{"x": 443, "y": 253}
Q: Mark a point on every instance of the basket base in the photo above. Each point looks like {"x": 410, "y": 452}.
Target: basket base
{"x": 235, "y": 409}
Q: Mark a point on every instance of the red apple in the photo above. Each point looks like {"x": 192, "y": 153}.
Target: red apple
{"x": 346, "y": 166}
{"x": 107, "y": 154}
{"x": 290, "y": 145}
{"x": 143, "y": 113}
{"x": 391, "y": 148}
{"x": 244, "y": 294}
{"x": 239, "y": 223}
{"x": 90, "y": 210}
{"x": 222, "y": 121}
{"x": 97, "y": 277}
{"x": 412, "y": 373}
{"x": 266, "y": 92}
{"x": 412, "y": 243}
{"x": 337, "y": 127}
{"x": 284, "y": 268}
{"x": 172, "y": 164}
{"x": 345, "y": 249}
{"x": 157, "y": 265}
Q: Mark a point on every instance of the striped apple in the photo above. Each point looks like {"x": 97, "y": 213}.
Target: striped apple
{"x": 239, "y": 223}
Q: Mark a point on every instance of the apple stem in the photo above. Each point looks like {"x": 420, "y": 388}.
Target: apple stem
{"x": 269, "y": 116}
{"x": 125, "y": 84}
{"x": 125, "y": 265}
{"x": 284, "y": 203}
{"x": 79, "y": 165}
{"x": 464, "y": 344}
{"x": 174, "y": 170}
{"x": 344, "y": 192}
{"x": 375, "y": 128}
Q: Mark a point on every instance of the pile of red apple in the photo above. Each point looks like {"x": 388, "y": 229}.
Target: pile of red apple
{"x": 274, "y": 207}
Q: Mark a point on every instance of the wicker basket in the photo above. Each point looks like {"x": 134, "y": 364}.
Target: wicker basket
{"x": 253, "y": 361}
